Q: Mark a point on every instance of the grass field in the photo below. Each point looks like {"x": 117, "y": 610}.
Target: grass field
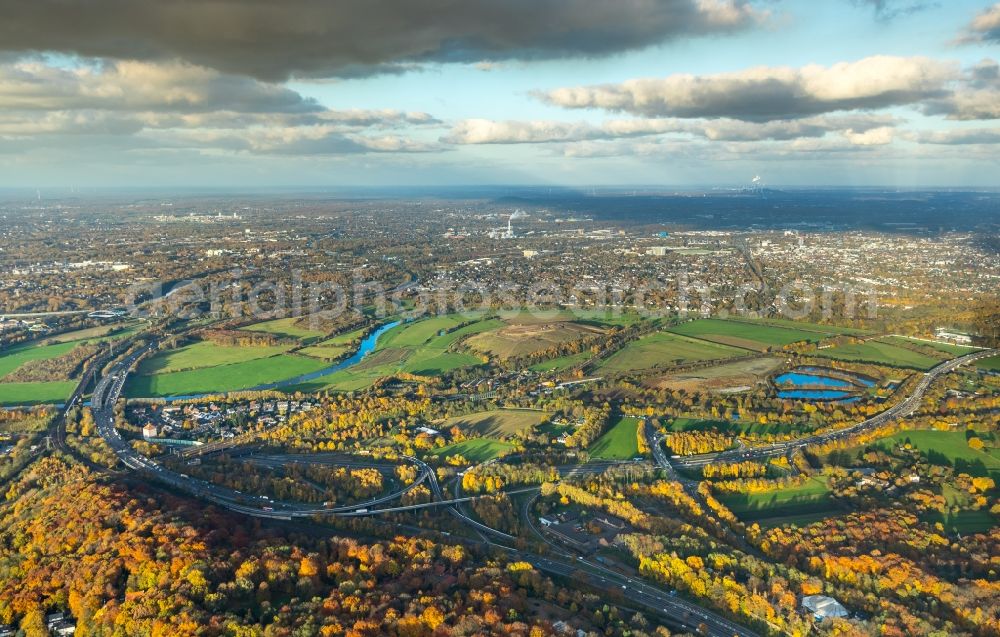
{"x": 420, "y": 332}
{"x": 98, "y": 334}
{"x": 621, "y": 442}
{"x": 500, "y": 423}
{"x": 431, "y": 357}
{"x": 13, "y": 358}
{"x": 562, "y": 363}
{"x": 47, "y": 349}
{"x": 965, "y": 521}
{"x": 744, "y": 373}
{"x": 203, "y": 354}
{"x": 807, "y": 327}
{"x": 35, "y": 393}
{"x": 525, "y": 339}
{"x": 950, "y": 448}
{"x": 475, "y": 450}
{"x": 799, "y": 520}
{"x": 664, "y": 349}
{"x": 222, "y": 378}
{"x": 596, "y": 318}
{"x": 285, "y": 328}
{"x": 945, "y": 348}
{"x": 754, "y": 336}
{"x": 991, "y": 364}
{"x": 881, "y": 353}
{"x": 809, "y": 498}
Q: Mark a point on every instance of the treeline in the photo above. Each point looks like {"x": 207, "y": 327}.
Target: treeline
{"x": 493, "y": 477}
{"x": 53, "y": 369}
{"x": 24, "y": 420}
{"x": 300, "y": 483}
{"x": 758, "y": 485}
{"x": 241, "y": 338}
{"x": 595, "y": 421}
{"x": 688, "y": 443}
{"x": 497, "y": 512}
{"x": 745, "y": 469}
{"x": 217, "y": 574}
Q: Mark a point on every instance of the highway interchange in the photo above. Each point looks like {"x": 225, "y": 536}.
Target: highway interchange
{"x": 678, "y": 612}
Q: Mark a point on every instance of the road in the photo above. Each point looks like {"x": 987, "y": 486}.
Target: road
{"x": 899, "y": 410}
{"x": 105, "y": 396}
{"x": 680, "y": 612}
{"x": 684, "y": 614}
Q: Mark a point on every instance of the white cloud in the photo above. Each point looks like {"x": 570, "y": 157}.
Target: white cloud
{"x": 132, "y": 86}
{"x": 483, "y": 131}
{"x": 958, "y": 137}
{"x": 874, "y": 137}
{"x": 985, "y": 27}
{"x": 770, "y": 93}
{"x": 177, "y": 104}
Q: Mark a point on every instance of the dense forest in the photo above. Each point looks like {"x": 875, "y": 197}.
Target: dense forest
{"x": 121, "y": 564}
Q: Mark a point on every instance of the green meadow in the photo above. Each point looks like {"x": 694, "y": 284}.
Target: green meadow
{"x": 620, "y": 442}
{"x": 664, "y": 349}
{"x": 285, "y": 328}
{"x": 752, "y": 336}
{"x": 35, "y": 393}
{"x": 950, "y": 448}
{"x": 222, "y": 378}
{"x": 49, "y": 348}
{"x": 476, "y": 450}
{"x": 809, "y": 498}
{"x": 881, "y": 353}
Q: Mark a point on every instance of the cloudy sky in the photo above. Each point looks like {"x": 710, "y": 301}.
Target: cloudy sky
{"x": 568, "y": 92}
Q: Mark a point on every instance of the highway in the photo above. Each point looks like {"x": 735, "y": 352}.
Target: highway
{"x": 899, "y": 410}
{"x": 680, "y": 612}
{"x": 684, "y": 614}
{"x": 106, "y": 394}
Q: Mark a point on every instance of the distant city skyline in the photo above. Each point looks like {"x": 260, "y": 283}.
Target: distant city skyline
{"x": 682, "y": 93}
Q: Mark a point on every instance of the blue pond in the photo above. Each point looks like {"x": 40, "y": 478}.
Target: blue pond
{"x": 810, "y": 380}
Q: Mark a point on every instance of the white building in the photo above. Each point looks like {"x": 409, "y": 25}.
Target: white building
{"x": 954, "y": 337}
{"x": 823, "y": 607}
{"x": 149, "y": 431}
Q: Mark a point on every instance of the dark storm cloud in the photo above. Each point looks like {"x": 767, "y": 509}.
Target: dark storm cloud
{"x": 273, "y": 40}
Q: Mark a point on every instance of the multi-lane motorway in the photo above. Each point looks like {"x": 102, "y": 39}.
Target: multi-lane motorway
{"x": 900, "y": 410}
{"x": 683, "y": 613}
{"x": 680, "y": 612}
